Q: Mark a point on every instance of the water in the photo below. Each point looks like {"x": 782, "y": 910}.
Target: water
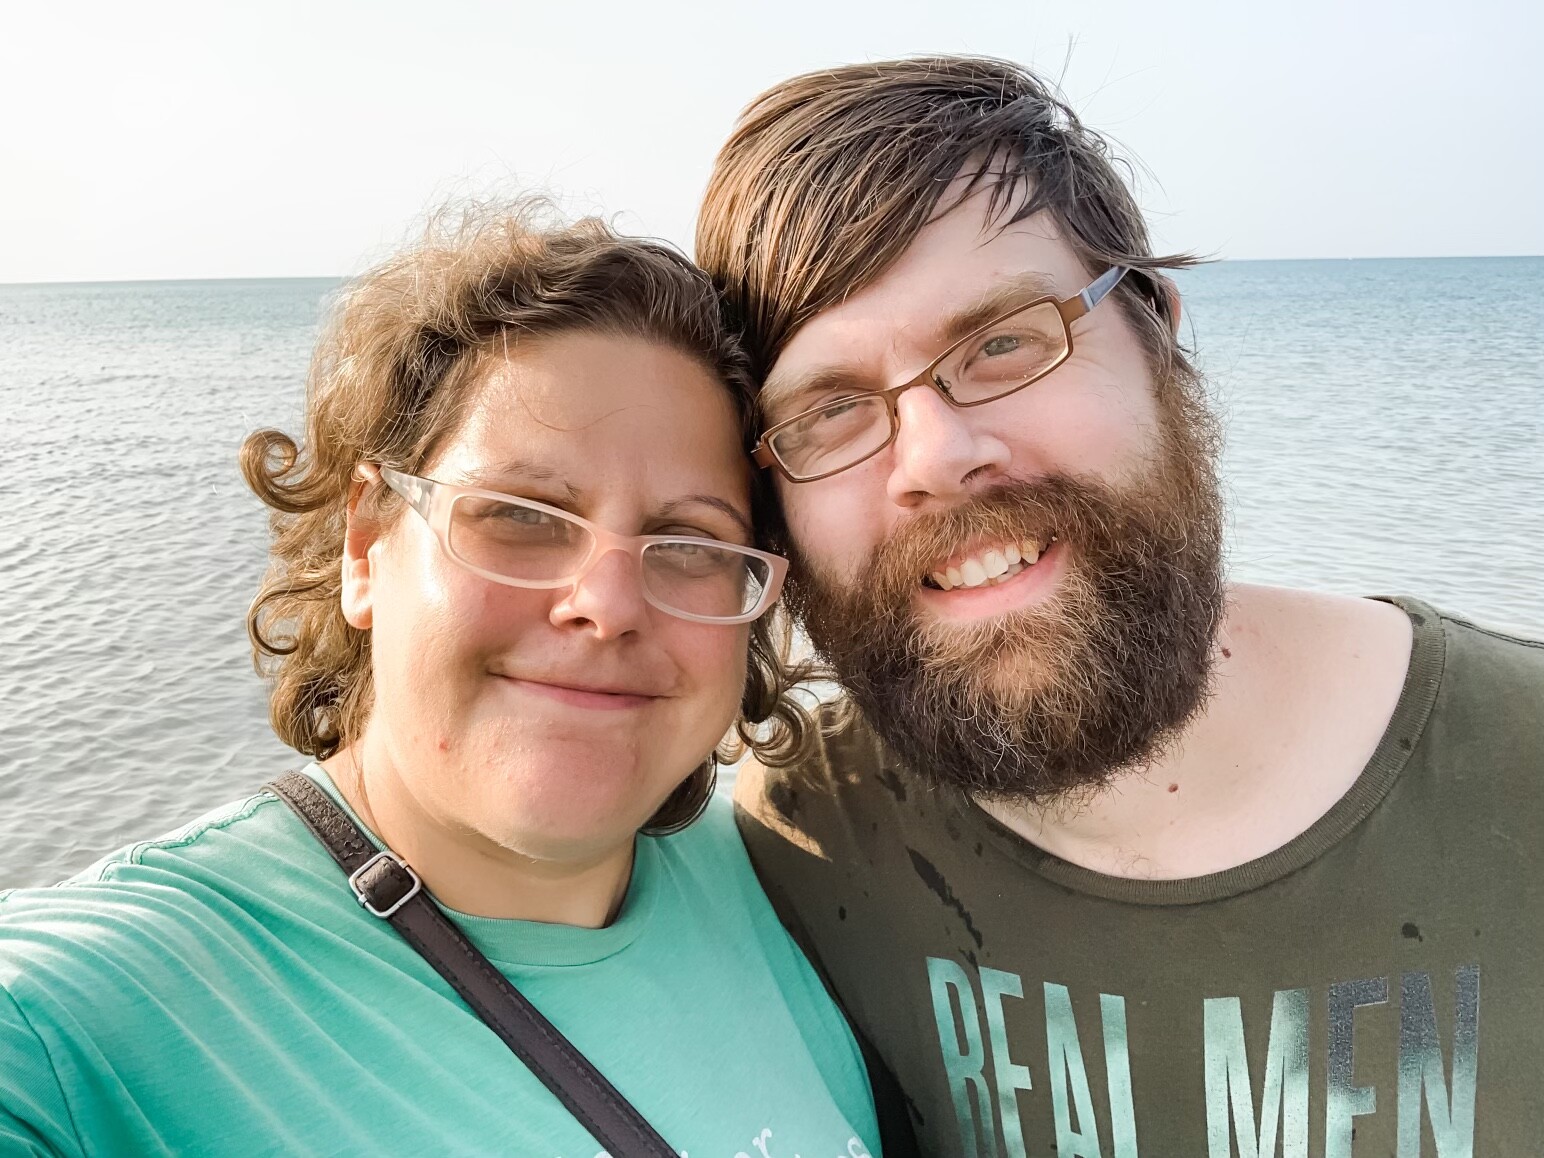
{"x": 1385, "y": 426}
{"x": 1385, "y": 434}
{"x": 129, "y": 550}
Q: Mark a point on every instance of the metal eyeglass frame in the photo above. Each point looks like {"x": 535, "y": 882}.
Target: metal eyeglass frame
{"x": 1069, "y": 309}
{"x": 434, "y": 500}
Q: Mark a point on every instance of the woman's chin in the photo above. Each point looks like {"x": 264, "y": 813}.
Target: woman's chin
{"x": 573, "y": 816}
{"x": 569, "y": 839}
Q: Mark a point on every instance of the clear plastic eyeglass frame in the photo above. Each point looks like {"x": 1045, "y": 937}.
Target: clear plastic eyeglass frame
{"x": 434, "y": 502}
{"x": 765, "y": 452}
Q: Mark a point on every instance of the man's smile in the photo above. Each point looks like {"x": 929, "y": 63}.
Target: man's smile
{"x": 1029, "y": 579}
{"x": 986, "y": 564}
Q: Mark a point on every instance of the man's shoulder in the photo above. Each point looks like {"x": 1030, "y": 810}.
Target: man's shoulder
{"x": 844, "y": 775}
{"x": 1516, "y": 658}
{"x": 1491, "y": 687}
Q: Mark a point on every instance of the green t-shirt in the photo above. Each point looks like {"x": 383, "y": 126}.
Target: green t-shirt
{"x": 1373, "y": 989}
{"x": 221, "y": 993}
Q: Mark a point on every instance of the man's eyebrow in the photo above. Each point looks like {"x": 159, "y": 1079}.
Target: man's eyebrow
{"x": 787, "y": 392}
{"x": 675, "y": 505}
{"x": 995, "y": 301}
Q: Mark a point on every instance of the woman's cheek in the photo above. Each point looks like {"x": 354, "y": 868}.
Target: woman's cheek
{"x": 715, "y": 662}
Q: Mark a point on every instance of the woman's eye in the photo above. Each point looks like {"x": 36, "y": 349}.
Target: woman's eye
{"x": 999, "y": 344}
{"x": 524, "y": 515}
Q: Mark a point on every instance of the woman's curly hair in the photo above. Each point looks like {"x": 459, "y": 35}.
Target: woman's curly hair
{"x": 390, "y": 380}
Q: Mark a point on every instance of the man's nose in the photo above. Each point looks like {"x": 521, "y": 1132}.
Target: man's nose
{"x": 941, "y": 452}
{"x": 606, "y": 597}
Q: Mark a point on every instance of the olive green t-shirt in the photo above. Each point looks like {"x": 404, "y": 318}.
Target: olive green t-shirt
{"x": 1373, "y": 989}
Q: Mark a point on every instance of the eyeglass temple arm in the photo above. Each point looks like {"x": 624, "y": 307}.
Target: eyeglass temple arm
{"x": 419, "y": 492}
{"x": 1099, "y": 289}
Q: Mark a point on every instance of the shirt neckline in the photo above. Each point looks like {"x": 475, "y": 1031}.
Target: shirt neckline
{"x": 1423, "y": 679}
{"x": 535, "y": 943}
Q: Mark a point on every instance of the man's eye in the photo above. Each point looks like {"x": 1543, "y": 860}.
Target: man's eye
{"x": 838, "y": 409}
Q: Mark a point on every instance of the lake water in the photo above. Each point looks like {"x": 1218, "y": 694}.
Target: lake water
{"x": 1385, "y": 428}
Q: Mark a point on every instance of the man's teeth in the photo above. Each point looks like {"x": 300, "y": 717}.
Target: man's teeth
{"x": 988, "y": 568}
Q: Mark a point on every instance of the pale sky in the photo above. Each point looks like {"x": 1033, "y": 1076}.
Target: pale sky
{"x": 162, "y": 138}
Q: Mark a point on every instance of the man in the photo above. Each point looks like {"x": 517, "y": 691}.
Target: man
{"x": 1104, "y": 855}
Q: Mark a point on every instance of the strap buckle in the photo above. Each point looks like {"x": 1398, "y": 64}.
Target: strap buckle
{"x": 368, "y": 893}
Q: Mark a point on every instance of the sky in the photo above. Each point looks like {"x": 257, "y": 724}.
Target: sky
{"x": 168, "y": 139}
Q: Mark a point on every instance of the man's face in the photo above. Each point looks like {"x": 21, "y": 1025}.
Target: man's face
{"x": 1081, "y": 657}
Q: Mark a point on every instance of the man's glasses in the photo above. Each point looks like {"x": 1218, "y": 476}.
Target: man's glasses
{"x": 1000, "y": 358}
{"x": 523, "y": 543}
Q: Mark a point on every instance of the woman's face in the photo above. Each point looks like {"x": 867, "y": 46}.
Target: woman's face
{"x": 555, "y": 722}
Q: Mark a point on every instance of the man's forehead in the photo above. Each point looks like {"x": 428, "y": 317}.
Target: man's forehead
{"x": 972, "y": 251}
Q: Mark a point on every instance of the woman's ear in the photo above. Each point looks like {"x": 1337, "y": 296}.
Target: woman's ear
{"x": 360, "y": 533}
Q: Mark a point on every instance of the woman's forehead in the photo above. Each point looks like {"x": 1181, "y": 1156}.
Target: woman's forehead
{"x": 582, "y": 410}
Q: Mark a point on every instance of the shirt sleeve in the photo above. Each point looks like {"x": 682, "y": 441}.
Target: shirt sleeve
{"x": 34, "y": 1118}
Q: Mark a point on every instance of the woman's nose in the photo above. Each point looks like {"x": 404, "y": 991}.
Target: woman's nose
{"x": 606, "y": 597}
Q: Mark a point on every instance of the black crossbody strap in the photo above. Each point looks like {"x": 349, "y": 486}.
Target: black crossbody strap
{"x": 389, "y": 889}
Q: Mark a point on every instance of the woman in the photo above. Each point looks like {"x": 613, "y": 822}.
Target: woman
{"x": 513, "y": 606}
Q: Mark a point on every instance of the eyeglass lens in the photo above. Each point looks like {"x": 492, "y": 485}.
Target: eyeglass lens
{"x": 1008, "y": 356}
{"x": 520, "y": 542}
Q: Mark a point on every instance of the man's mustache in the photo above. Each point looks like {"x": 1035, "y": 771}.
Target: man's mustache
{"x": 1079, "y": 512}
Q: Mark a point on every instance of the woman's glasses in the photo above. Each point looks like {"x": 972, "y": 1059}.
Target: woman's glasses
{"x": 523, "y": 543}
{"x": 1000, "y": 358}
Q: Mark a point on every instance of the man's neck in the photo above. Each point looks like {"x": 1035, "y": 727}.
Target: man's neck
{"x": 1303, "y": 688}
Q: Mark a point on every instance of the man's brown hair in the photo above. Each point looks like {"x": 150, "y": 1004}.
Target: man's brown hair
{"x": 828, "y": 178}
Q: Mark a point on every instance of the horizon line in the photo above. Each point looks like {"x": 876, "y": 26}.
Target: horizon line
{"x": 345, "y": 277}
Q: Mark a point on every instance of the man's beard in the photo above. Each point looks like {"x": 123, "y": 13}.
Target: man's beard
{"x": 1054, "y": 700}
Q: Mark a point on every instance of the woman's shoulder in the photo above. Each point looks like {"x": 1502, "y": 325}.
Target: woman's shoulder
{"x": 233, "y": 826}
{"x": 712, "y": 842}
{"x": 220, "y": 869}
{"x": 712, "y": 877}
{"x": 708, "y": 858}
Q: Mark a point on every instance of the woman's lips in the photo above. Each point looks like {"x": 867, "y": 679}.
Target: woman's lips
{"x": 593, "y": 698}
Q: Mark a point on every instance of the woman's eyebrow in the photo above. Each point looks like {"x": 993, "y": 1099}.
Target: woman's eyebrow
{"x": 674, "y": 507}
{"x": 514, "y": 471}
